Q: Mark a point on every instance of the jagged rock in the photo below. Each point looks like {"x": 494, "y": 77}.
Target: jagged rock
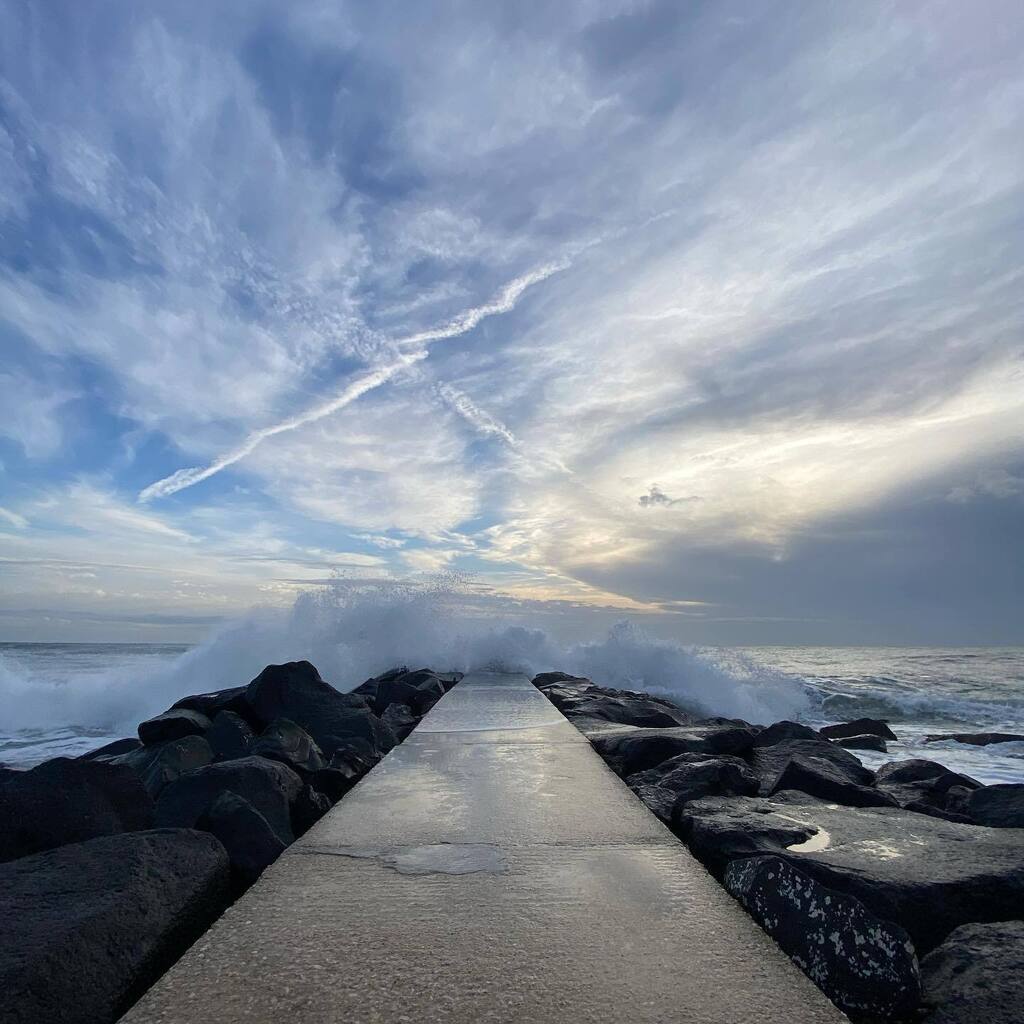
{"x": 269, "y": 786}
{"x": 68, "y": 801}
{"x": 586, "y": 704}
{"x": 820, "y": 777}
{"x": 173, "y": 725}
{"x": 346, "y": 768}
{"x": 865, "y": 742}
{"x": 295, "y": 691}
{"x": 109, "y": 750}
{"x": 252, "y": 845}
{"x": 545, "y": 679}
{"x": 230, "y": 736}
{"x": 450, "y": 679}
{"x": 212, "y": 703}
{"x": 162, "y": 763}
{"x": 86, "y": 928}
{"x": 976, "y": 975}
{"x": 927, "y": 875}
{"x": 864, "y": 964}
{"x": 976, "y": 739}
{"x": 290, "y": 744}
{"x": 309, "y": 807}
{"x": 769, "y": 762}
{"x": 419, "y": 690}
{"x": 1000, "y": 806}
{"x": 779, "y": 732}
{"x": 400, "y": 719}
{"x": 859, "y": 727}
{"x": 690, "y": 777}
{"x": 926, "y": 787}
{"x": 914, "y": 769}
{"x": 629, "y": 750}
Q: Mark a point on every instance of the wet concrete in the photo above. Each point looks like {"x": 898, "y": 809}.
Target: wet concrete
{"x": 489, "y": 869}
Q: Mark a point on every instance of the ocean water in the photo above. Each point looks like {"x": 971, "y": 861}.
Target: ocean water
{"x": 64, "y": 699}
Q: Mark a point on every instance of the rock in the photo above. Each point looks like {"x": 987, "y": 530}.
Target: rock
{"x": 211, "y": 704}
{"x": 822, "y": 778}
{"x": 864, "y": 964}
{"x": 85, "y": 929}
{"x": 269, "y": 786}
{"x": 290, "y": 744}
{"x": 926, "y": 787}
{"x": 161, "y": 764}
{"x": 927, "y": 875}
{"x": 230, "y": 736}
{"x": 109, "y": 750}
{"x": 295, "y": 691}
{"x": 629, "y": 749}
{"x": 1000, "y": 806}
{"x": 251, "y": 843}
{"x": 976, "y": 975}
{"x": 859, "y": 727}
{"x": 68, "y": 801}
{"x": 172, "y": 725}
{"x": 769, "y": 762}
{"x": 346, "y": 768}
{"x": 309, "y": 807}
{"x": 450, "y": 679}
{"x": 778, "y": 732}
{"x": 419, "y": 690}
{"x": 634, "y": 710}
{"x": 864, "y": 742}
{"x": 976, "y": 739}
{"x": 551, "y": 678}
{"x": 400, "y": 719}
{"x": 690, "y": 777}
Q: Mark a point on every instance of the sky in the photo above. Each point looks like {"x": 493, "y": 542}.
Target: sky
{"x": 703, "y": 315}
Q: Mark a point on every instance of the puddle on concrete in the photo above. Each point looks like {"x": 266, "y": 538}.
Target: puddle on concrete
{"x": 435, "y": 859}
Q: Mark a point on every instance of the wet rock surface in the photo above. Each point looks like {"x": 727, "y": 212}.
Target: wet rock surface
{"x": 162, "y": 763}
{"x": 230, "y": 736}
{"x": 631, "y": 749}
{"x": 84, "y": 929}
{"x": 290, "y": 744}
{"x": 976, "y": 739}
{"x": 173, "y": 725}
{"x": 1000, "y": 806}
{"x": 866, "y": 965}
{"x": 976, "y": 975}
{"x": 859, "y": 727}
{"x": 690, "y": 777}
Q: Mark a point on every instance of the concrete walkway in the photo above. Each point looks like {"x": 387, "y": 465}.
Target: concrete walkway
{"x": 490, "y": 869}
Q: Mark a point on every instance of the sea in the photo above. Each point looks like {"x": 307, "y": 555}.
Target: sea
{"x": 65, "y": 699}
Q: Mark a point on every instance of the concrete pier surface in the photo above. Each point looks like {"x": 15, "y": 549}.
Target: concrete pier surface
{"x": 489, "y": 869}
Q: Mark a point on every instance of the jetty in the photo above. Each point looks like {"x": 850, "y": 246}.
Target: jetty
{"x": 490, "y": 869}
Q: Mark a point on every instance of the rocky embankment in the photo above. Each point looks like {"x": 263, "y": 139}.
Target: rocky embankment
{"x": 900, "y": 892}
{"x": 111, "y": 864}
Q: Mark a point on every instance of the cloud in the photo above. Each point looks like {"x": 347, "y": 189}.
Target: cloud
{"x": 656, "y": 496}
{"x": 19, "y": 522}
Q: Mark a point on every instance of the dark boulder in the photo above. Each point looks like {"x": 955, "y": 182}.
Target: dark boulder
{"x": 915, "y": 769}
{"x": 551, "y": 678}
{"x": 689, "y": 777}
{"x": 864, "y": 964}
{"x": 926, "y": 787}
{"x": 864, "y": 742}
{"x": 925, "y": 874}
{"x": 400, "y": 719}
{"x": 450, "y": 679}
{"x": 109, "y": 750}
{"x": 68, "y": 801}
{"x": 162, "y": 763}
{"x": 976, "y": 976}
{"x": 779, "y": 732}
{"x": 820, "y": 777}
{"x": 309, "y": 807}
{"x": 295, "y": 691}
{"x": 629, "y": 749}
{"x": 212, "y": 703}
{"x": 1000, "y": 806}
{"x": 230, "y": 736}
{"x": 346, "y": 768}
{"x": 173, "y": 725}
{"x": 976, "y": 739}
{"x": 252, "y": 845}
{"x": 634, "y": 710}
{"x": 859, "y": 727}
{"x": 769, "y": 762}
{"x": 269, "y": 786}
{"x": 85, "y": 929}
{"x": 419, "y": 690}
{"x": 290, "y": 744}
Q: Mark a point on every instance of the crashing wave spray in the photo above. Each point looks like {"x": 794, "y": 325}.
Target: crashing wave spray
{"x": 353, "y": 633}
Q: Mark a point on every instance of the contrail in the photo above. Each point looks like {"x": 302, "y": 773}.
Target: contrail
{"x": 462, "y": 324}
{"x": 476, "y": 417}
{"x": 183, "y": 478}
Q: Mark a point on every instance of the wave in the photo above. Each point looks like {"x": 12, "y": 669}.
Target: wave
{"x": 353, "y": 634}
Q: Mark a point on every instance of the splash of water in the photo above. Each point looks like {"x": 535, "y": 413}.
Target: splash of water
{"x": 353, "y": 634}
